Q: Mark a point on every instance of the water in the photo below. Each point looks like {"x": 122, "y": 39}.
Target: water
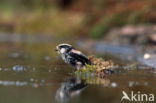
{"x": 33, "y": 73}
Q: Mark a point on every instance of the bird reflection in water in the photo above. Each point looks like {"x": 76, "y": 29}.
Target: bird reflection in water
{"x": 70, "y": 88}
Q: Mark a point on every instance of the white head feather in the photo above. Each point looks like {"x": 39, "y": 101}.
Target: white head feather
{"x": 62, "y": 50}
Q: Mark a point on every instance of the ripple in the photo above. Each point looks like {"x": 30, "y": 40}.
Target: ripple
{"x": 10, "y": 83}
{"x": 18, "y": 68}
{"x": 114, "y": 84}
{"x": 24, "y": 83}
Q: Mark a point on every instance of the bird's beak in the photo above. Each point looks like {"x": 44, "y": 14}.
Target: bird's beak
{"x": 56, "y": 49}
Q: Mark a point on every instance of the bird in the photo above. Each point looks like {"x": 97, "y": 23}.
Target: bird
{"x": 72, "y": 56}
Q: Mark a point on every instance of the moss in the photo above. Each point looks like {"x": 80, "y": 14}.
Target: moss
{"x": 99, "y": 67}
{"x": 87, "y": 69}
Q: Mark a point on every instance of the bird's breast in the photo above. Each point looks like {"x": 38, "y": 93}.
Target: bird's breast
{"x": 64, "y": 57}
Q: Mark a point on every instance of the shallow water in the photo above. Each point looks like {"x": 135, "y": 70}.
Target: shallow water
{"x": 33, "y": 73}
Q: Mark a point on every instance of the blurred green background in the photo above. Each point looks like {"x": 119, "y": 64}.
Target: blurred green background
{"x": 87, "y": 18}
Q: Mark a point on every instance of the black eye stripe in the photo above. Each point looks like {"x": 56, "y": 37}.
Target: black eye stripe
{"x": 64, "y": 46}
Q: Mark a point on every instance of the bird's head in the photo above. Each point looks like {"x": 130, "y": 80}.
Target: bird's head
{"x": 63, "y": 48}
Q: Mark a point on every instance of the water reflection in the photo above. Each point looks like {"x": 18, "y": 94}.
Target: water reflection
{"x": 73, "y": 86}
{"x": 70, "y": 88}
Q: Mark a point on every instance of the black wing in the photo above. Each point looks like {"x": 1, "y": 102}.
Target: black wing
{"x": 80, "y": 57}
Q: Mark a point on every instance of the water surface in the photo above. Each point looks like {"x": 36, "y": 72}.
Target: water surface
{"x": 33, "y": 73}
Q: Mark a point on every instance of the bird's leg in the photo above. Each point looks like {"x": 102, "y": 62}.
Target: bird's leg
{"x": 79, "y": 65}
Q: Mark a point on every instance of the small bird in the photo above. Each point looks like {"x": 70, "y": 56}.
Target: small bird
{"x": 72, "y": 56}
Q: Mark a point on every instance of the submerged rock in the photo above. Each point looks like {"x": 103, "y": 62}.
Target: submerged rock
{"x": 99, "y": 66}
{"x": 102, "y": 67}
